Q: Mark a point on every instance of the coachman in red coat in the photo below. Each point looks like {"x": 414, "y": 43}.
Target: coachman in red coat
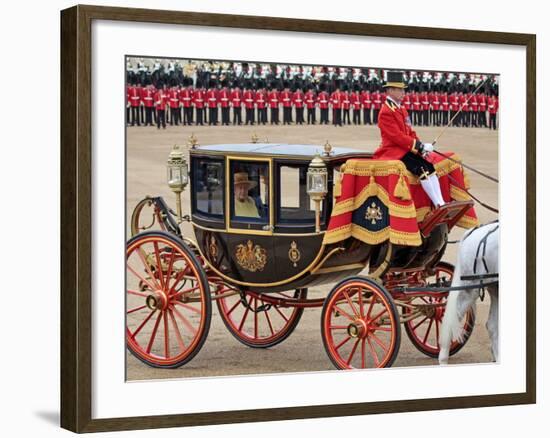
{"x": 400, "y": 142}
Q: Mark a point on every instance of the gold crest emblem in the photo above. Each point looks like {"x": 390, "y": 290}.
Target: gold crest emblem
{"x": 213, "y": 248}
{"x": 251, "y": 257}
{"x": 373, "y": 214}
{"x": 294, "y": 254}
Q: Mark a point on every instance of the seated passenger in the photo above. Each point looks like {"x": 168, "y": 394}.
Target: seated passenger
{"x": 244, "y": 204}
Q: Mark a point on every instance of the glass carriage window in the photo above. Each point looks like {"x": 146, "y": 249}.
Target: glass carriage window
{"x": 295, "y": 204}
{"x": 250, "y": 190}
{"x": 208, "y": 187}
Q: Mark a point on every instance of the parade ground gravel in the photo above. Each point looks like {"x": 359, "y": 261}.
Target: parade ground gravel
{"x": 222, "y": 354}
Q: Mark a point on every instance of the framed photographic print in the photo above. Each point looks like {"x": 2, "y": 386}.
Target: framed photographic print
{"x": 268, "y": 218}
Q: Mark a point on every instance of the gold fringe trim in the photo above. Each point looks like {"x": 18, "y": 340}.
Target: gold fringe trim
{"x": 401, "y": 190}
{"x": 467, "y": 222}
{"x": 351, "y": 204}
{"x": 372, "y": 237}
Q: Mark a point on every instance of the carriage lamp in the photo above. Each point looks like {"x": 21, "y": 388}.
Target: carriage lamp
{"x": 178, "y": 175}
{"x": 317, "y": 186}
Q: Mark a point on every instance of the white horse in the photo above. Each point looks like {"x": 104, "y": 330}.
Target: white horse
{"x": 477, "y": 255}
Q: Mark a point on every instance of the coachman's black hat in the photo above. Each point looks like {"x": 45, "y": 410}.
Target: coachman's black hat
{"x": 394, "y": 79}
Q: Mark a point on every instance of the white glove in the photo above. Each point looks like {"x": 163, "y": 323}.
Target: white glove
{"x": 427, "y": 148}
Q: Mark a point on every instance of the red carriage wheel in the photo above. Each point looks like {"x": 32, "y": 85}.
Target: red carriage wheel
{"x": 168, "y": 305}
{"x": 360, "y": 325}
{"x": 257, "y": 323}
{"x": 423, "y": 331}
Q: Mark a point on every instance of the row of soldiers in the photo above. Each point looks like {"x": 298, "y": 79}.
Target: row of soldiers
{"x": 188, "y": 104}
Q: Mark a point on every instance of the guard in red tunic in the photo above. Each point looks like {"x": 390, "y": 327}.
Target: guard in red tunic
{"x": 311, "y": 101}
{"x": 236, "y": 103}
{"x": 492, "y": 105}
{"x": 482, "y": 109}
{"x": 286, "y": 99}
{"x": 323, "y": 99}
{"x": 400, "y": 142}
{"x": 199, "y": 99}
{"x": 134, "y": 97}
{"x": 261, "y": 103}
{"x": 147, "y": 99}
{"x": 249, "y": 102}
{"x": 174, "y": 103}
{"x": 366, "y": 102}
{"x": 355, "y": 100}
{"x": 465, "y": 109}
{"x": 346, "y": 105}
{"x": 417, "y": 108}
{"x": 444, "y": 108}
{"x": 454, "y": 103}
{"x": 212, "y": 101}
{"x": 298, "y": 98}
{"x": 160, "y": 105}
{"x": 336, "y": 103}
{"x": 273, "y": 100}
{"x": 425, "y": 102}
{"x": 186, "y": 99}
{"x": 473, "y": 107}
{"x": 224, "y": 99}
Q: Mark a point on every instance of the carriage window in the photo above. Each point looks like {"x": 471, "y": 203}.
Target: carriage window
{"x": 208, "y": 187}
{"x": 250, "y": 191}
{"x": 295, "y": 204}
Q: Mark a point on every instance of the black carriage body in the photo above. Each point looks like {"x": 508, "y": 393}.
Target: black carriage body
{"x": 279, "y": 249}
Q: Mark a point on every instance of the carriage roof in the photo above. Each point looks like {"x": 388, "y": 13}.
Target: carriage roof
{"x": 281, "y": 150}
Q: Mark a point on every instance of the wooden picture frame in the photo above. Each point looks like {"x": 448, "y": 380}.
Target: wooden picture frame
{"x": 76, "y": 219}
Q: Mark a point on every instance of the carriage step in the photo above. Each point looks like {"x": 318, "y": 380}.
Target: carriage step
{"x": 449, "y": 213}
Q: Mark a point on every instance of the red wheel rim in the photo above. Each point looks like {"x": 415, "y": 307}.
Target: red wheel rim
{"x": 257, "y": 322}
{"x": 166, "y": 317}
{"x": 360, "y": 327}
{"x": 424, "y": 330}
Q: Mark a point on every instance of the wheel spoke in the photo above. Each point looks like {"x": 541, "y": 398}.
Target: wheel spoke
{"x": 185, "y": 322}
{"x": 371, "y": 306}
{"x": 373, "y": 353}
{"x": 140, "y": 277}
{"x": 351, "y": 304}
{"x": 350, "y": 357}
{"x": 420, "y": 323}
{"x": 428, "y": 331}
{"x": 233, "y": 308}
{"x": 338, "y": 327}
{"x": 179, "y": 276}
{"x": 183, "y": 292}
{"x": 361, "y": 310}
{"x": 255, "y": 318}
{"x": 145, "y": 321}
{"x": 139, "y": 294}
{"x": 379, "y": 342}
{"x": 342, "y": 343}
{"x": 188, "y": 307}
{"x": 135, "y": 310}
{"x": 159, "y": 265}
{"x": 363, "y": 353}
{"x": 169, "y": 270}
{"x": 343, "y": 313}
{"x": 166, "y": 337}
{"x": 154, "y": 334}
{"x": 147, "y": 267}
{"x": 245, "y": 315}
{"x": 373, "y": 319}
{"x": 177, "y": 330}
{"x": 268, "y": 320}
{"x": 281, "y": 313}
{"x": 437, "y": 333}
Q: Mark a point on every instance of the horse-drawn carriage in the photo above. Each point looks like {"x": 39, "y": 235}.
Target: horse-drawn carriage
{"x": 313, "y": 216}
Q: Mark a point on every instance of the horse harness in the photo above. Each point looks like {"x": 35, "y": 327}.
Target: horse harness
{"x": 482, "y": 247}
